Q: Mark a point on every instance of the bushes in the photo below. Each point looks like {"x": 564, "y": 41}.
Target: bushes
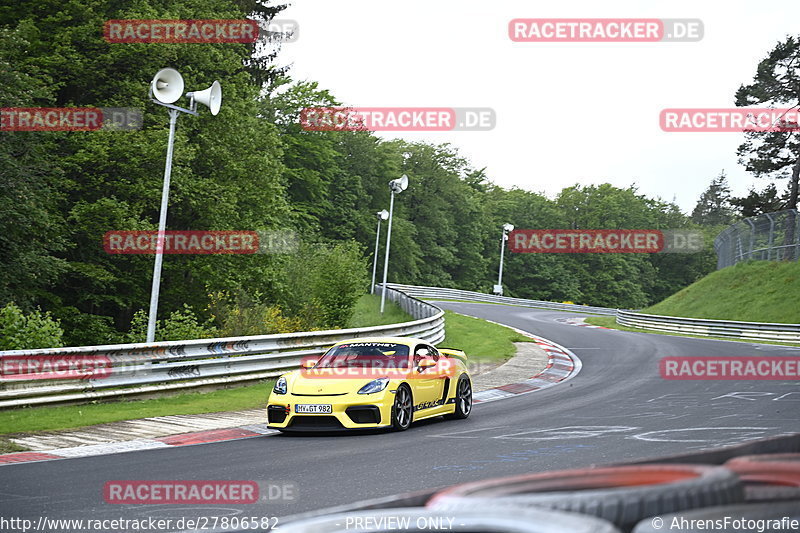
{"x": 242, "y": 316}
{"x": 180, "y": 325}
{"x": 21, "y": 332}
{"x": 318, "y": 288}
{"x": 321, "y": 284}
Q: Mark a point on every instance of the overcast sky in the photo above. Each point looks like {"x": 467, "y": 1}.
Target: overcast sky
{"x": 566, "y": 112}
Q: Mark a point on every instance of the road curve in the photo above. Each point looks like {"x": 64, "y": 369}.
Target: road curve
{"x": 616, "y": 409}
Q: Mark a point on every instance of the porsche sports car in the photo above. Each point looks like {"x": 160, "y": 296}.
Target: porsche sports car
{"x": 386, "y": 382}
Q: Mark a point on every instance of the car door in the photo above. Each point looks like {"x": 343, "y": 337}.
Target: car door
{"x": 427, "y": 382}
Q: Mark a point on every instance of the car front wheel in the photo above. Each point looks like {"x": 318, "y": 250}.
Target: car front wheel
{"x": 403, "y": 409}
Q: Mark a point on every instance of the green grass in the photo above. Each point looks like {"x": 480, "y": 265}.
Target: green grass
{"x": 31, "y": 419}
{"x": 368, "y": 313}
{"x": 6, "y": 446}
{"x": 610, "y": 322}
{"x": 757, "y": 291}
{"x": 481, "y": 340}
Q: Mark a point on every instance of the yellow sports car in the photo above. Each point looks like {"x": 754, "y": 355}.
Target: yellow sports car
{"x": 386, "y": 382}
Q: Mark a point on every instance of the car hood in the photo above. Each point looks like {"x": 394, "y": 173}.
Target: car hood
{"x": 325, "y": 382}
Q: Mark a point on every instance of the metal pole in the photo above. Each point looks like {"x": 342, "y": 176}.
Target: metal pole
{"x": 162, "y": 224}
{"x": 375, "y": 258}
{"x": 386, "y": 253}
{"x": 502, "y": 251}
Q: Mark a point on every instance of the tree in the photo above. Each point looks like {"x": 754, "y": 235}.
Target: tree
{"x": 26, "y": 332}
{"x": 776, "y": 83}
{"x": 253, "y": 167}
{"x": 776, "y": 154}
{"x": 63, "y": 190}
{"x": 33, "y": 231}
{"x": 714, "y": 206}
{"x": 756, "y": 202}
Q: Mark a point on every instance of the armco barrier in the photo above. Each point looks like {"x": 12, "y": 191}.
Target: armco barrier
{"x": 435, "y": 293}
{"x": 143, "y": 368}
{"x": 693, "y": 326}
{"x": 713, "y": 328}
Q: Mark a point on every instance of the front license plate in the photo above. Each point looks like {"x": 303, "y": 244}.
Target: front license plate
{"x": 313, "y": 409}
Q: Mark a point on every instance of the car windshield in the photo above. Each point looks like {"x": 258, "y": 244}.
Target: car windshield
{"x": 366, "y": 355}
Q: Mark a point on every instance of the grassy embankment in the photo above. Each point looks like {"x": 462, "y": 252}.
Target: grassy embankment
{"x": 757, "y": 291}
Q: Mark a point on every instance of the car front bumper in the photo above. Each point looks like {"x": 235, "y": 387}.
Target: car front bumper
{"x": 348, "y": 411}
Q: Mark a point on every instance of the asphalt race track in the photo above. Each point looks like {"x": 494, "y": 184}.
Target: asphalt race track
{"x": 617, "y": 409}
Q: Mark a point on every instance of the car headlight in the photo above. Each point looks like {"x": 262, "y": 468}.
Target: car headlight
{"x": 373, "y": 386}
{"x": 280, "y": 386}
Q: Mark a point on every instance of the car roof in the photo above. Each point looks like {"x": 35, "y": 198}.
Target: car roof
{"x": 408, "y": 341}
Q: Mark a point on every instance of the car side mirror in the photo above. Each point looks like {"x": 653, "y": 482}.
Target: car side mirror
{"x": 426, "y": 364}
{"x": 309, "y": 363}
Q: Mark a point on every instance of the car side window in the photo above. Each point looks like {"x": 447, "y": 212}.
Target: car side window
{"x": 420, "y": 352}
{"x": 423, "y": 351}
{"x": 434, "y": 353}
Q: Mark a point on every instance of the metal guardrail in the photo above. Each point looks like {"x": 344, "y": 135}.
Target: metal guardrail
{"x": 693, "y": 326}
{"x": 435, "y": 293}
{"x": 713, "y": 328}
{"x": 143, "y": 368}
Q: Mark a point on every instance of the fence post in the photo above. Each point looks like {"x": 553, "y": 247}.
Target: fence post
{"x": 797, "y": 235}
{"x": 752, "y": 237}
{"x": 771, "y": 236}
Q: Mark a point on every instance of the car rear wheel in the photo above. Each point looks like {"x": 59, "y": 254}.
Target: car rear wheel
{"x": 463, "y": 399}
{"x": 403, "y": 409}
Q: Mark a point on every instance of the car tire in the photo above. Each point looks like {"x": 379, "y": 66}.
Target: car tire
{"x": 774, "y": 476}
{"x": 483, "y": 520}
{"x": 403, "y": 408}
{"x": 623, "y": 495}
{"x": 769, "y": 461}
{"x": 463, "y": 398}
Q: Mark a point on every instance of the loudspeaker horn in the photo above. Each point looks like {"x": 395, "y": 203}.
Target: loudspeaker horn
{"x": 211, "y": 97}
{"x": 167, "y": 85}
{"x": 399, "y": 185}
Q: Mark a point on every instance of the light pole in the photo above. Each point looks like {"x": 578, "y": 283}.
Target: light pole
{"x": 382, "y": 215}
{"x": 498, "y": 289}
{"x": 165, "y": 89}
{"x": 396, "y": 186}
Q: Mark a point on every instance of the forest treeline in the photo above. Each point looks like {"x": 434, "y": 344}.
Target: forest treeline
{"x": 252, "y": 167}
